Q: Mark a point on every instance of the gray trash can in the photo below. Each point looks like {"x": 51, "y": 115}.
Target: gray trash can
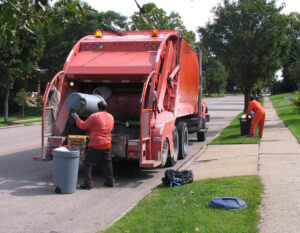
{"x": 83, "y": 104}
{"x": 65, "y": 170}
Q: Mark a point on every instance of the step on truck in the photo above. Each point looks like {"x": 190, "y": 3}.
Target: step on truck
{"x": 151, "y": 81}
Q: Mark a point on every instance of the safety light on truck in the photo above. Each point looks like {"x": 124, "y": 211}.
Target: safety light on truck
{"x": 71, "y": 84}
{"x": 98, "y": 34}
{"x": 154, "y": 33}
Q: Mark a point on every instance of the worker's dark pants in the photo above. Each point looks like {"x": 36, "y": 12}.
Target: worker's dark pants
{"x": 94, "y": 156}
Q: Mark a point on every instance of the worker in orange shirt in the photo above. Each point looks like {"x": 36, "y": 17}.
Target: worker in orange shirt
{"x": 259, "y": 117}
{"x": 99, "y": 125}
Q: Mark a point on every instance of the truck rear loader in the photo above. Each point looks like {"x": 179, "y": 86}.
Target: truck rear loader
{"x": 151, "y": 81}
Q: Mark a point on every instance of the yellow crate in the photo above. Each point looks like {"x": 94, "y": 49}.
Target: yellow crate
{"x": 78, "y": 142}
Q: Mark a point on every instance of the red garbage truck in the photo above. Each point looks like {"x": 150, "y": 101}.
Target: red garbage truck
{"x": 151, "y": 81}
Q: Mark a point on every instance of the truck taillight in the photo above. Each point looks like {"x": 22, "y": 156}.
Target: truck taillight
{"x": 131, "y": 153}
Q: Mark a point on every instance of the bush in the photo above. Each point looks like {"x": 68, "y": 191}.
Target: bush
{"x": 40, "y": 101}
{"x": 296, "y": 100}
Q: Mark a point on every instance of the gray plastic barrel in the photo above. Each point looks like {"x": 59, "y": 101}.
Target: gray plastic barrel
{"x": 83, "y": 104}
{"x": 65, "y": 170}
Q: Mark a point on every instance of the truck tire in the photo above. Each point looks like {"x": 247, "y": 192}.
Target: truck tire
{"x": 173, "y": 160}
{"x": 203, "y": 124}
{"x": 201, "y": 136}
{"x": 165, "y": 152}
{"x": 183, "y": 139}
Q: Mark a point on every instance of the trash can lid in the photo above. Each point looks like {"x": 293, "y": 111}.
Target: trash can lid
{"x": 227, "y": 203}
{"x": 64, "y": 152}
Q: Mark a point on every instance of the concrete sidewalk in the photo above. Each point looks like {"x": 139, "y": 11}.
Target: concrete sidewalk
{"x": 276, "y": 161}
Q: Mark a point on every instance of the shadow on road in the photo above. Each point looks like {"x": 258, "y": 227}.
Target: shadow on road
{"x": 20, "y": 175}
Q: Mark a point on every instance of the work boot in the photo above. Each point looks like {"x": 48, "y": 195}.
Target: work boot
{"x": 88, "y": 181}
{"x": 109, "y": 182}
{"x": 86, "y": 186}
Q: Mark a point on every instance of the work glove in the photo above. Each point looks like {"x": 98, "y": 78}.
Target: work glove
{"x": 74, "y": 115}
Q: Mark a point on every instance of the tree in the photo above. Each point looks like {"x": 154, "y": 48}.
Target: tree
{"x": 29, "y": 14}
{"x": 217, "y": 75}
{"x": 21, "y": 99}
{"x": 60, "y": 44}
{"x": 156, "y": 18}
{"x": 22, "y": 26}
{"x": 19, "y": 56}
{"x": 250, "y": 38}
{"x": 290, "y": 80}
{"x": 294, "y": 71}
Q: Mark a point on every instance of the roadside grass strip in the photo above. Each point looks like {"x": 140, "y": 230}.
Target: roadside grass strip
{"x": 291, "y": 118}
{"x": 282, "y": 100}
{"x": 232, "y": 135}
{"x": 28, "y": 121}
{"x": 288, "y": 112}
{"x": 185, "y": 208}
{"x": 213, "y": 95}
{"x": 32, "y": 115}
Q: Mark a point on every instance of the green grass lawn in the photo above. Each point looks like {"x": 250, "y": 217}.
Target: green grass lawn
{"x": 30, "y": 114}
{"x": 282, "y": 100}
{"x": 291, "y": 118}
{"x": 184, "y": 208}
{"x": 232, "y": 135}
{"x": 221, "y": 95}
{"x": 288, "y": 112}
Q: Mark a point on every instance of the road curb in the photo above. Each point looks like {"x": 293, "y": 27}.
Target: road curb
{"x": 194, "y": 157}
{"x": 20, "y": 125}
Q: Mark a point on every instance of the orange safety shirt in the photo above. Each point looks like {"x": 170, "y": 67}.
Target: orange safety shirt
{"x": 255, "y": 107}
{"x": 99, "y": 125}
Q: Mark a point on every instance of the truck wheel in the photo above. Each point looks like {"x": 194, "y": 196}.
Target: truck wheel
{"x": 183, "y": 139}
{"x": 172, "y": 161}
{"x": 204, "y": 123}
{"x": 165, "y": 152}
{"x": 201, "y": 136}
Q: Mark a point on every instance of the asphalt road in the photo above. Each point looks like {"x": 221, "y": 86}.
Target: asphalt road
{"x": 28, "y": 202}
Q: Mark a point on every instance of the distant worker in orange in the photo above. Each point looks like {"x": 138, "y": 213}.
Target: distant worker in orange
{"x": 259, "y": 116}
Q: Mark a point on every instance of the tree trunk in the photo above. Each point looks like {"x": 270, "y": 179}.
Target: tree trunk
{"x": 247, "y": 94}
{"x": 6, "y": 95}
{"x": 23, "y": 115}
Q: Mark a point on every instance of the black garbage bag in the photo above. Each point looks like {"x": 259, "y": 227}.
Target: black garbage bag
{"x": 178, "y": 178}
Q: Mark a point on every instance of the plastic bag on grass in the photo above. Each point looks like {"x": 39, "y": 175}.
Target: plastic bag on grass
{"x": 178, "y": 178}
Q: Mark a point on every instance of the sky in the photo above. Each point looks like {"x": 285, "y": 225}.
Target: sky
{"x": 194, "y": 13}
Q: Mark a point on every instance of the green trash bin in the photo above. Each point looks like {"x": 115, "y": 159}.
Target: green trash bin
{"x": 65, "y": 169}
{"x": 245, "y": 124}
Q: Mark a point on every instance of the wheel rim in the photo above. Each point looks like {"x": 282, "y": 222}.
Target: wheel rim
{"x": 185, "y": 141}
{"x": 165, "y": 152}
{"x": 176, "y": 145}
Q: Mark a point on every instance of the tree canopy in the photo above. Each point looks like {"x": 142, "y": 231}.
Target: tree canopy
{"x": 19, "y": 56}
{"x": 157, "y": 18}
{"x": 59, "y": 44}
{"x": 250, "y": 38}
{"x": 29, "y": 14}
{"x": 291, "y": 65}
{"x": 23, "y": 25}
{"x": 216, "y": 74}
